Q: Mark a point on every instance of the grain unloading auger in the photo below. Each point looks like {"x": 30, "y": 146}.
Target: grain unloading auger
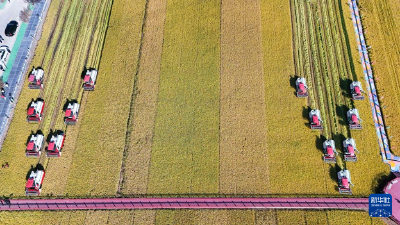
{"x": 301, "y": 88}
{"x": 354, "y": 119}
{"x": 356, "y": 90}
{"x": 315, "y": 119}
{"x": 35, "y": 144}
{"x": 33, "y": 186}
{"x": 344, "y": 182}
{"x": 349, "y": 147}
{"x": 55, "y": 145}
{"x": 35, "y": 111}
{"x": 36, "y": 78}
{"x": 89, "y": 80}
{"x": 329, "y": 151}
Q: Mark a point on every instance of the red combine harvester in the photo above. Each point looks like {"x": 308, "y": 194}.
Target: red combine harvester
{"x": 35, "y": 111}
{"x": 349, "y": 146}
{"x": 354, "y": 119}
{"x": 89, "y": 80}
{"x": 344, "y": 181}
{"x": 315, "y": 119}
{"x": 329, "y": 151}
{"x": 56, "y": 144}
{"x": 356, "y": 90}
{"x": 34, "y": 184}
{"x": 301, "y": 88}
{"x": 36, "y": 78}
{"x": 35, "y": 145}
{"x": 71, "y": 114}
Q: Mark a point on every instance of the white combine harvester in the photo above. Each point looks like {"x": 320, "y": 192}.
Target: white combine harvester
{"x": 344, "y": 182}
{"x": 89, "y": 80}
{"x": 71, "y": 114}
{"x": 349, "y": 146}
{"x": 56, "y": 144}
{"x": 315, "y": 119}
{"x": 35, "y": 145}
{"x": 36, "y": 78}
{"x": 356, "y": 90}
{"x": 35, "y": 111}
{"x": 354, "y": 119}
{"x": 34, "y": 184}
{"x": 329, "y": 151}
{"x": 301, "y": 87}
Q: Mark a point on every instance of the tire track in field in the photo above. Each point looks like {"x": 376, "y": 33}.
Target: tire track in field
{"x": 140, "y": 131}
{"x": 243, "y": 146}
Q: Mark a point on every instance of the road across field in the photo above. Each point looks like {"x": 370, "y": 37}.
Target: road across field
{"x": 185, "y": 203}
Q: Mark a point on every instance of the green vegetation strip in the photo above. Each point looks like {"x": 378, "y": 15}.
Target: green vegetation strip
{"x": 186, "y": 143}
{"x": 14, "y": 51}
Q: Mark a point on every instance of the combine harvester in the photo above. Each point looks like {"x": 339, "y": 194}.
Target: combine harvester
{"x": 55, "y": 145}
{"x": 329, "y": 151}
{"x": 89, "y": 80}
{"x": 349, "y": 146}
{"x": 35, "y": 145}
{"x": 71, "y": 114}
{"x": 315, "y": 119}
{"x": 36, "y": 78}
{"x": 35, "y": 111}
{"x": 301, "y": 88}
{"x": 344, "y": 181}
{"x": 356, "y": 90}
{"x": 354, "y": 119}
{"x": 34, "y": 184}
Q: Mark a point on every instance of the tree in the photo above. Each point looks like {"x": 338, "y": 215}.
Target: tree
{"x": 25, "y": 14}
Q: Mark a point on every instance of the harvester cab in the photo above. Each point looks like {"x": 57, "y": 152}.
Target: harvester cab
{"x": 89, "y": 80}
{"x": 344, "y": 181}
{"x": 349, "y": 146}
{"x": 315, "y": 119}
{"x": 71, "y": 114}
{"x": 301, "y": 88}
{"x": 329, "y": 151}
{"x": 35, "y": 111}
{"x": 356, "y": 90}
{"x": 354, "y": 119}
{"x": 34, "y": 184}
{"x": 55, "y": 145}
{"x": 36, "y": 78}
{"x": 35, "y": 145}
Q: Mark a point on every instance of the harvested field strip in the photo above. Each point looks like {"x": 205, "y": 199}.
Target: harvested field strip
{"x": 368, "y": 159}
{"x": 184, "y": 156}
{"x": 243, "y": 149}
{"x": 380, "y": 18}
{"x": 99, "y": 145}
{"x": 258, "y": 217}
{"x": 58, "y": 169}
{"x": 140, "y": 134}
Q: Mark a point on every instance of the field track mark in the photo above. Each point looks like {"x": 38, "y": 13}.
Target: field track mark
{"x": 137, "y": 153}
{"x": 129, "y": 123}
{"x": 243, "y": 147}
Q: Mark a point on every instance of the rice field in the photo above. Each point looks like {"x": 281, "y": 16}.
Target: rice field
{"x": 239, "y": 217}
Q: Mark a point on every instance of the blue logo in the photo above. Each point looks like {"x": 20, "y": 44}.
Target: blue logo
{"x": 380, "y": 205}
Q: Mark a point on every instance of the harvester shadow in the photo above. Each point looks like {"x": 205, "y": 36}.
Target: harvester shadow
{"x": 380, "y": 181}
{"x": 292, "y": 81}
{"x": 33, "y": 169}
{"x": 341, "y": 111}
{"x": 333, "y": 174}
{"x": 305, "y": 112}
{"x": 339, "y": 138}
{"x": 319, "y": 140}
{"x": 83, "y": 72}
{"x": 72, "y": 101}
{"x": 345, "y": 87}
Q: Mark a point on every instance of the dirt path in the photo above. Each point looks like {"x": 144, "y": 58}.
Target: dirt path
{"x": 243, "y": 149}
{"x": 138, "y": 154}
